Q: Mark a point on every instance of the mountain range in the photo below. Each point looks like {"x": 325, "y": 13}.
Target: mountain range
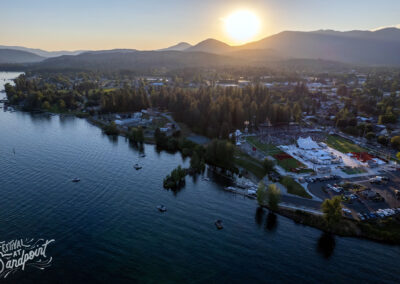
{"x": 381, "y": 47}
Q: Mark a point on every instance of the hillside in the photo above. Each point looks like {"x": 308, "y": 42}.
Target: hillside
{"x": 41, "y": 52}
{"x": 10, "y": 56}
{"x": 358, "y": 47}
{"x": 211, "y": 46}
{"x": 137, "y": 60}
{"x": 380, "y": 47}
{"x": 179, "y": 47}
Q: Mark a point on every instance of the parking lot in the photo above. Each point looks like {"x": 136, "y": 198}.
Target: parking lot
{"x": 372, "y": 198}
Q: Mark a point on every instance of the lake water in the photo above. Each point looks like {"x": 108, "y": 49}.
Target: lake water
{"x": 107, "y": 228}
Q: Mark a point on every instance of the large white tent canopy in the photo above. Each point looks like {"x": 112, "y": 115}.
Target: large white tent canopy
{"x": 307, "y": 143}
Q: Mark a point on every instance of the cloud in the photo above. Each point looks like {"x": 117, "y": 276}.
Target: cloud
{"x": 385, "y": 27}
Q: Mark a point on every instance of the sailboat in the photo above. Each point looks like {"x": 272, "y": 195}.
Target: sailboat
{"x": 137, "y": 167}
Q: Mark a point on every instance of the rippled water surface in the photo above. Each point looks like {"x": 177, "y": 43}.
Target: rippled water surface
{"x": 107, "y": 228}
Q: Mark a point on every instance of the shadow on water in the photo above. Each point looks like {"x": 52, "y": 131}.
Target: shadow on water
{"x": 176, "y": 191}
{"x": 112, "y": 138}
{"x": 65, "y": 119}
{"x": 271, "y": 222}
{"x": 136, "y": 147}
{"x": 326, "y": 245}
{"x": 195, "y": 178}
{"x": 259, "y": 216}
{"x": 39, "y": 117}
{"x": 217, "y": 178}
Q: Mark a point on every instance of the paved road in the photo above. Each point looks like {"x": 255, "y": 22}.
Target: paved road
{"x": 302, "y": 202}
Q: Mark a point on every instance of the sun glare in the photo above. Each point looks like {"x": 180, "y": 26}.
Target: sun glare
{"x": 242, "y": 26}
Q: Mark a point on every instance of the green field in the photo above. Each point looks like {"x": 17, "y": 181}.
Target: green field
{"x": 271, "y": 150}
{"x": 294, "y": 188}
{"x": 343, "y": 145}
{"x": 268, "y": 149}
{"x": 250, "y": 164}
{"x": 289, "y": 164}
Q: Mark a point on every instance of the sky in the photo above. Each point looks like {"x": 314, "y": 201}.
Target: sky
{"x": 152, "y": 24}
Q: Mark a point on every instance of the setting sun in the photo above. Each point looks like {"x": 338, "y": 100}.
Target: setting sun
{"x": 242, "y": 26}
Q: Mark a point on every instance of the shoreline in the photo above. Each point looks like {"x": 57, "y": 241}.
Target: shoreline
{"x": 346, "y": 228}
{"x": 378, "y": 232}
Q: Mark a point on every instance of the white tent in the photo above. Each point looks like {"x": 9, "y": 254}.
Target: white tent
{"x": 307, "y": 143}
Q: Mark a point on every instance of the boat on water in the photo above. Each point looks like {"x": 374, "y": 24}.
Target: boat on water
{"x": 76, "y": 180}
{"x": 161, "y": 208}
{"x": 231, "y": 189}
{"x": 245, "y": 184}
{"x": 142, "y": 155}
{"x": 219, "y": 225}
{"x": 251, "y": 193}
{"x": 206, "y": 179}
{"x": 137, "y": 167}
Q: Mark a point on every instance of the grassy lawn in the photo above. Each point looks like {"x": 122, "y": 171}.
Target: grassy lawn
{"x": 250, "y": 164}
{"x": 289, "y": 164}
{"x": 269, "y": 149}
{"x": 294, "y": 188}
{"x": 343, "y": 145}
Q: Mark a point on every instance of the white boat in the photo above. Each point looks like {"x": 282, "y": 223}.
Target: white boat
{"x": 161, "y": 208}
{"x": 231, "y": 189}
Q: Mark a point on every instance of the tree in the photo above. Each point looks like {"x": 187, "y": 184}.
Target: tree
{"x": 111, "y": 129}
{"x": 136, "y": 135}
{"x": 197, "y": 163}
{"x": 297, "y": 112}
{"x": 398, "y": 155}
{"x": 62, "y": 104}
{"x": 268, "y": 165}
{"x": 383, "y": 140}
{"x": 46, "y": 105}
{"x": 220, "y": 153}
{"x": 332, "y": 209}
{"x": 395, "y": 141}
{"x": 261, "y": 193}
{"x": 370, "y": 135}
{"x": 175, "y": 179}
{"x": 273, "y": 197}
{"x": 342, "y": 91}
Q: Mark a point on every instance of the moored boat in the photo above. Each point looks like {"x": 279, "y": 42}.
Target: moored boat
{"x": 161, "y": 208}
{"x": 219, "y": 225}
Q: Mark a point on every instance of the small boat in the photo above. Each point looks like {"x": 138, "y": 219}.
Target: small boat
{"x": 218, "y": 223}
{"x": 206, "y": 179}
{"x": 251, "y": 193}
{"x": 142, "y": 155}
{"x": 161, "y": 208}
{"x": 137, "y": 167}
{"x": 76, "y": 180}
{"x": 231, "y": 189}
